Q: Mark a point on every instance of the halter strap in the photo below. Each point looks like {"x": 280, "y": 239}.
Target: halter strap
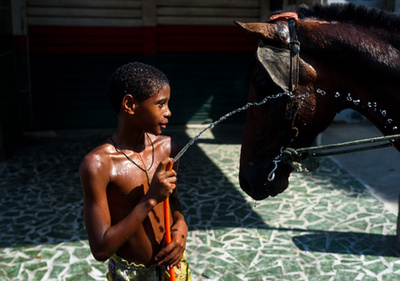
{"x": 286, "y": 16}
{"x": 294, "y": 47}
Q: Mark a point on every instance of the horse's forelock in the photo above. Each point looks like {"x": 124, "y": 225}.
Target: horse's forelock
{"x": 351, "y": 13}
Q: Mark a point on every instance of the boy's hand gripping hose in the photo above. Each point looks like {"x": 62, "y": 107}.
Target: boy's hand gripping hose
{"x": 168, "y": 226}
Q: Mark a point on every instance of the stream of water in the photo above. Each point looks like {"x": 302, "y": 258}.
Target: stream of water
{"x": 224, "y": 117}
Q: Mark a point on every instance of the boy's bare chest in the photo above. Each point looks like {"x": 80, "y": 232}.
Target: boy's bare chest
{"x": 125, "y": 193}
{"x": 128, "y": 185}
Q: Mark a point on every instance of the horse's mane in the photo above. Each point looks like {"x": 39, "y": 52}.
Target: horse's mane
{"x": 351, "y": 13}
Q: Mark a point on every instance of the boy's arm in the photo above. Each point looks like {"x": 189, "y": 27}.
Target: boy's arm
{"x": 172, "y": 253}
{"x": 179, "y": 228}
{"x": 105, "y": 239}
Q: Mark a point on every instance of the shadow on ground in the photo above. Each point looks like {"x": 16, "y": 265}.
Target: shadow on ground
{"x": 351, "y": 243}
{"x": 42, "y": 197}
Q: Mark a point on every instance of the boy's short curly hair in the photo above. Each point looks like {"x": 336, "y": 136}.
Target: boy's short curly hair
{"x": 137, "y": 79}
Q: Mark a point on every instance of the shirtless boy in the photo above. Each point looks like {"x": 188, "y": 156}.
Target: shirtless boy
{"x": 125, "y": 182}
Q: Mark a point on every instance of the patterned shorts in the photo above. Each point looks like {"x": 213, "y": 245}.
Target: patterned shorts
{"x": 122, "y": 270}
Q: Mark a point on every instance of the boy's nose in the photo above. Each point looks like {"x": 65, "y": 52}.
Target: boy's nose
{"x": 168, "y": 113}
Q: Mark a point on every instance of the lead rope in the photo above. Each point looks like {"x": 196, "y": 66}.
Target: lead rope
{"x": 288, "y": 155}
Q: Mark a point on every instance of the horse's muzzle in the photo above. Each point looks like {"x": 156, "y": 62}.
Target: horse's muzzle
{"x": 253, "y": 181}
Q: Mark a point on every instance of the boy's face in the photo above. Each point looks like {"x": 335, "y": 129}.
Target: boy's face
{"x": 153, "y": 113}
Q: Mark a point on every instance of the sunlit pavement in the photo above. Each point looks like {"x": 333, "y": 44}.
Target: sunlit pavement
{"x": 326, "y": 226}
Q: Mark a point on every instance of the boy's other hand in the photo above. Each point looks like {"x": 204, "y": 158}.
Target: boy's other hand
{"x": 172, "y": 254}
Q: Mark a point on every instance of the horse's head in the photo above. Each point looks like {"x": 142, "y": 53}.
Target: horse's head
{"x": 330, "y": 58}
{"x": 292, "y": 119}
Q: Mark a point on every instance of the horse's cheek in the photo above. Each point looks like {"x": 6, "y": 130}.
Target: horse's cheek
{"x": 308, "y": 74}
{"x": 307, "y": 112}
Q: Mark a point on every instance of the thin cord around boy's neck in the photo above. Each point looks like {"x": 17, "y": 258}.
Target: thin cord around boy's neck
{"x": 145, "y": 170}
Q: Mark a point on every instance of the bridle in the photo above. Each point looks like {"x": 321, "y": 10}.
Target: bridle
{"x": 293, "y": 106}
{"x": 282, "y": 64}
{"x": 276, "y": 62}
{"x": 287, "y": 154}
{"x": 294, "y": 47}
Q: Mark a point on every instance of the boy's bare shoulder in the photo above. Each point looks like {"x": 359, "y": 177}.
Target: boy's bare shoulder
{"x": 99, "y": 159}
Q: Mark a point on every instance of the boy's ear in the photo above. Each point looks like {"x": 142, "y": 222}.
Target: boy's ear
{"x": 129, "y": 104}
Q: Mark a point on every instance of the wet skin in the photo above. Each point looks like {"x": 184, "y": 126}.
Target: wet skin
{"x": 123, "y": 213}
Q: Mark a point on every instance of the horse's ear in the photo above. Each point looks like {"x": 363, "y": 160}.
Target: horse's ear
{"x": 260, "y": 29}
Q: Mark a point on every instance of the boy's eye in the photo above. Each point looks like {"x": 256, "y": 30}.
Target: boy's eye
{"x": 161, "y": 103}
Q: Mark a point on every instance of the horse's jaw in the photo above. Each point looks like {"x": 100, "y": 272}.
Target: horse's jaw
{"x": 256, "y": 181}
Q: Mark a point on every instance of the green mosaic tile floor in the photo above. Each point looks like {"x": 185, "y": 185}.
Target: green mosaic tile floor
{"x": 325, "y": 226}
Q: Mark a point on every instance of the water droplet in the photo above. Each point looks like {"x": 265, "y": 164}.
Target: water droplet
{"x": 321, "y": 92}
{"x": 394, "y": 128}
{"x": 337, "y": 94}
{"x": 349, "y": 98}
{"x": 390, "y": 120}
{"x": 356, "y": 102}
{"x": 304, "y": 96}
{"x": 375, "y": 104}
{"x": 383, "y": 112}
{"x": 369, "y": 104}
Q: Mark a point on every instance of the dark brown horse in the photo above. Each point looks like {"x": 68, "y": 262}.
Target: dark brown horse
{"x": 329, "y": 57}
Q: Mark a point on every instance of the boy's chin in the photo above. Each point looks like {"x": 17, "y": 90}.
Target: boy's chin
{"x": 161, "y": 128}
{"x": 155, "y": 131}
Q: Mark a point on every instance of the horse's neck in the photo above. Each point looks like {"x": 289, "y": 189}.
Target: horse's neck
{"x": 353, "y": 46}
{"x": 366, "y": 69}
{"x": 376, "y": 97}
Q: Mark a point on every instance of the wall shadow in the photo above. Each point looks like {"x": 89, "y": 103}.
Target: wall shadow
{"x": 42, "y": 201}
{"x": 351, "y": 243}
{"x": 42, "y": 198}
